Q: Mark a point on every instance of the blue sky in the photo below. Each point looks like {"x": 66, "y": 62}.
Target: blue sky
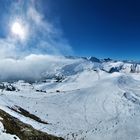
{"x": 101, "y": 28}
{"x": 104, "y": 28}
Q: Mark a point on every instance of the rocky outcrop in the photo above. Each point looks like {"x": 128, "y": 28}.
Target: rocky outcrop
{"x": 94, "y": 59}
{"x": 22, "y": 130}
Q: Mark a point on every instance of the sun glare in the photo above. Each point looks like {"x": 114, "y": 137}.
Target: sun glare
{"x": 19, "y": 30}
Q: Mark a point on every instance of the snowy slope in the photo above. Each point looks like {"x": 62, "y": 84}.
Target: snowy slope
{"x": 86, "y": 102}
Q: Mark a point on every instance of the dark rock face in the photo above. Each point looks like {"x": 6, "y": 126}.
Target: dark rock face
{"x": 116, "y": 69}
{"x": 107, "y": 59}
{"x": 133, "y": 68}
{"x": 113, "y": 69}
{"x": 7, "y": 87}
{"x": 10, "y": 88}
{"x": 22, "y": 130}
{"x": 26, "y": 113}
{"x": 94, "y": 59}
{"x": 59, "y": 78}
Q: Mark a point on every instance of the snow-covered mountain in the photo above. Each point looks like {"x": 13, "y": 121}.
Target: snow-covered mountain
{"x": 70, "y": 98}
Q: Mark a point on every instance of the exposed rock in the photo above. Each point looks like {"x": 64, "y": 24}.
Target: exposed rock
{"x": 94, "y": 59}
{"x": 133, "y": 68}
{"x": 7, "y": 87}
{"x": 107, "y": 59}
{"x": 27, "y": 114}
{"x": 22, "y": 130}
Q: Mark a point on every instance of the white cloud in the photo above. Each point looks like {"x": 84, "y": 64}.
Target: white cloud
{"x": 7, "y": 48}
{"x": 31, "y": 67}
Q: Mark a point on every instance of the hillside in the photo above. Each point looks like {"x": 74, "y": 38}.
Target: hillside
{"x": 74, "y": 98}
